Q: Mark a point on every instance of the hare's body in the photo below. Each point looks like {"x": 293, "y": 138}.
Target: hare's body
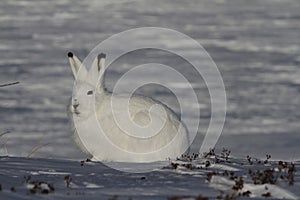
{"x": 139, "y": 107}
{"x": 115, "y": 136}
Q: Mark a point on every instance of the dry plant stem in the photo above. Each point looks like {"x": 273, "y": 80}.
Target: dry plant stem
{"x": 36, "y": 148}
{"x": 38, "y": 145}
{"x": 5, "y": 151}
{"x": 4, "y": 133}
{"x": 4, "y": 143}
{"x": 8, "y": 84}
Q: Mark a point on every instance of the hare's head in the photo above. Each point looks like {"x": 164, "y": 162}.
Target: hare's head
{"x": 87, "y": 85}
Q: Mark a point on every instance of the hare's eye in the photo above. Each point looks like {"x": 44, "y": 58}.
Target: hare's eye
{"x": 90, "y": 92}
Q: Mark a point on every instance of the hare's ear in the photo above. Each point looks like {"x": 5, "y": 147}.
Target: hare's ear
{"x": 97, "y": 70}
{"x": 78, "y": 69}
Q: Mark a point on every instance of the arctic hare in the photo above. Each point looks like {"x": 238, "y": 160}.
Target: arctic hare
{"x": 150, "y": 131}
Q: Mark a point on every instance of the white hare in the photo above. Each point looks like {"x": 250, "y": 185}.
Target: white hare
{"x": 121, "y": 131}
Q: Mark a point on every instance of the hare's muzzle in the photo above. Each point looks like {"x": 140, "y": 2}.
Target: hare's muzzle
{"x": 75, "y": 106}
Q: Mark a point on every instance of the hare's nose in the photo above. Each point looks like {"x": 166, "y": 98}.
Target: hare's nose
{"x": 75, "y": 106}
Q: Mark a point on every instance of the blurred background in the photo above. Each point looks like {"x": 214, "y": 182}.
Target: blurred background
{"x": 255, "y": 44}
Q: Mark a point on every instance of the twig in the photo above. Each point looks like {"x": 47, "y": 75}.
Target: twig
{"x": 5, "y": 151}
{"x": 36, "y": 148}
{"x": 4, "y": 143}
{"x": 2, "y": 134}
{"x": 8, "y": 84}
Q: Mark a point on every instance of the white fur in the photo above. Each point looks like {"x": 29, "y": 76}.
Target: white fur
{"x": 110, "y": 142}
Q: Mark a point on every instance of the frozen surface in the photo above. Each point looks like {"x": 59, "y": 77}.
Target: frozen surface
{"x": 22, "y": 178}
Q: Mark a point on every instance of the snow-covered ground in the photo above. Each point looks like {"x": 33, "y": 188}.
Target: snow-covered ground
{"x": 209, "y": 177}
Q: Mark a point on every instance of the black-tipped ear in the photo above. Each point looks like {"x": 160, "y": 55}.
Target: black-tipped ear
{"x": 77, "y": 67}
{"x": 101, "y": 58}
{"x": 101, "y": 55}
{"x": 70, "y": 54}
{"x": 96, "y": 72}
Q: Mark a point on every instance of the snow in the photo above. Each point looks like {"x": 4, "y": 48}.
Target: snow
{"x": 225, "y": 184}
{"x": 185, "y": 179}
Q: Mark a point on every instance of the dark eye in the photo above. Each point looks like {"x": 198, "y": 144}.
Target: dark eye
{"x": 90, "y": 92}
